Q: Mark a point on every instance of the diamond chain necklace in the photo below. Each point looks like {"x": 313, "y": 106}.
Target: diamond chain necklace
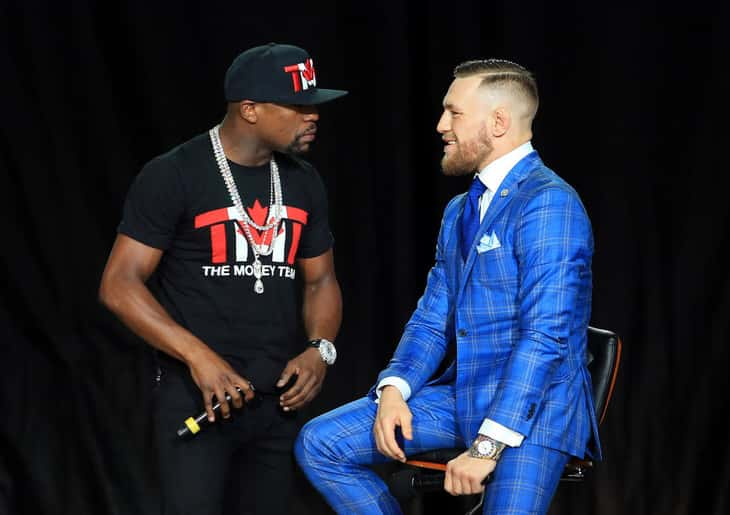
{"x": 275, "y": 206}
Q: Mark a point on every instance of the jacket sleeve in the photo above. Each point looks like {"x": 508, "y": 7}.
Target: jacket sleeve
{"x": 553, "y": 244}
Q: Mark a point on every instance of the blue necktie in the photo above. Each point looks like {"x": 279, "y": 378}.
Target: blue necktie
{"x": 470, "y": 216}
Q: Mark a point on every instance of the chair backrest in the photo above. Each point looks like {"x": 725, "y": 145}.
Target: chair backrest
{"x": 604, "y": 356}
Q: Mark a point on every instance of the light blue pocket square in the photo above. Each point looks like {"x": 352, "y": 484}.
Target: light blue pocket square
{"x": 488, "y": 242}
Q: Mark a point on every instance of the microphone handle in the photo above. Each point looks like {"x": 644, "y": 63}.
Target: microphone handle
{"x": 193, "y": 425}
{"x": 428, "y": 482}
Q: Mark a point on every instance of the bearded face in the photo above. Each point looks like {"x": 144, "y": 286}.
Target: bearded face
{"x": 464, "y": 156}
{"x": 463, "y": 128}
{"x": 302, "y": 139}
{"x": 287, "y": 128}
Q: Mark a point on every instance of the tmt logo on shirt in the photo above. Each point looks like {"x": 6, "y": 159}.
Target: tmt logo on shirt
{"x": 302, "y": 75}
{"x": 277, "y": 238}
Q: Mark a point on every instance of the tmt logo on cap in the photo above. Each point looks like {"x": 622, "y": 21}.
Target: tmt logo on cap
{"x": 302, "y": 75}
{"x": 261, "y": 74}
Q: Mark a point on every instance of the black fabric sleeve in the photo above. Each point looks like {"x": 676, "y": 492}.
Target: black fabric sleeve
{"x": 316, "y": 236}
{"x": 154, "y": 204}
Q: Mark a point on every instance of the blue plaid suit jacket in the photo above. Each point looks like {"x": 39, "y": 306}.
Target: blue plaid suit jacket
{"x": 517, "y": 313}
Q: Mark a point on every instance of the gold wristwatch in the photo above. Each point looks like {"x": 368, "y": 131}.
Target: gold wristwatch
{"x": 486, "y": 448}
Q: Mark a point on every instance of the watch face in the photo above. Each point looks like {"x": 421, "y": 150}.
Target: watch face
{"x": 328, "y": 352}
{"x": 486, "y": 447}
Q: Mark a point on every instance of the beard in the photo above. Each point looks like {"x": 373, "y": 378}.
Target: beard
{"x": 297, "y": 146}
{"x": 466, "y": 157}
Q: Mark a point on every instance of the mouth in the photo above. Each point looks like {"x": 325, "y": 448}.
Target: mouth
{"x": 448, "y": 143}
{"x": 309, "y": 135}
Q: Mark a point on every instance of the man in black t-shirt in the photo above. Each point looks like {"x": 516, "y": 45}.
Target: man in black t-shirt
{"x": 213, "y": 234}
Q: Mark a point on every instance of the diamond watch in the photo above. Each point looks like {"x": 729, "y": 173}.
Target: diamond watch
{"x": 486, "y": 448}
{"x": 326, "y": 350}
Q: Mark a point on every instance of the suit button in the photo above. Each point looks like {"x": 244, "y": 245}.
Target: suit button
{"x": 463, "y": 332}
{"x": 530, "y": 412}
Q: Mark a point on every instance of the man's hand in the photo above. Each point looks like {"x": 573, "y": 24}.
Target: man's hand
{"x": 464, "y": 474}
{"x": 310, "y": 371}
{"x": 392, "y": 411}
{"x": 214, "y": 376}
{"x": 124, "y": 291}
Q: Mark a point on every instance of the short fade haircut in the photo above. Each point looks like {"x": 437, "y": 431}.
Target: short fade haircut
{"x": 500, "y": 72}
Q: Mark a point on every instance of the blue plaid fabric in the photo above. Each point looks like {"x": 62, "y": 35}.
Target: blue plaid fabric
{"x": 525, "y": 481}
{"x": 335, "y": 449}
{"x": 517, "y": 311}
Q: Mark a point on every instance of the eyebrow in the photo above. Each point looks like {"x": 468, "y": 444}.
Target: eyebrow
{"x": 450, "y": 106}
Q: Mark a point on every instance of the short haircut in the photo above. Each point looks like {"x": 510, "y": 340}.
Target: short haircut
{"x": 503, "y": 73}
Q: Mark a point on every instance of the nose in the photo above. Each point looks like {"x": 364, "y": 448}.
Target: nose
{"x": 443, "y": 126}
{"x": 310, "y": 113}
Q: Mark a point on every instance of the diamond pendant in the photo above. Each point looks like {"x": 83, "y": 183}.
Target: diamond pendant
{"x": 258, "y": 286}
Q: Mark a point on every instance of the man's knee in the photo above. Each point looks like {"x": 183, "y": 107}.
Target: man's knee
{"x": 334, "y": 436}
{"x": 311, "y": 443}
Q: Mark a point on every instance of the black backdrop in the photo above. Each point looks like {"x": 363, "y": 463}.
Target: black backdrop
{"x": 633, "y": 114}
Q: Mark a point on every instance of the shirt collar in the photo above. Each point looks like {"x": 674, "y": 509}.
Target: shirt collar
{"x": 494, "y": 173}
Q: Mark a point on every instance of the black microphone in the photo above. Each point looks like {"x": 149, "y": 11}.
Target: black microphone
{"x": 406, "y": 483}
{"x": 193, "y": 425}
{"x": 428, "y": 482}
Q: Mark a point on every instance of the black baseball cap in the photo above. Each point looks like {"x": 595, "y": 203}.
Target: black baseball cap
{"x": 281, "y": 74}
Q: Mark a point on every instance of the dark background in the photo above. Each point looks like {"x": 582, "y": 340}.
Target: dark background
{"x": 633, "y": 115}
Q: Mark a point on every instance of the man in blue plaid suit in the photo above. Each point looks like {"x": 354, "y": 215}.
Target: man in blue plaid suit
{"x": 511, "y": 291}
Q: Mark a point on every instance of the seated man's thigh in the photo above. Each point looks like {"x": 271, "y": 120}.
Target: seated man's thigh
{"x": 525, "y": 480}
{"x": 346, "y": 433}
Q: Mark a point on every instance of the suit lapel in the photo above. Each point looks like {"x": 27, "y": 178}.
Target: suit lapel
{"x": 507, "y": 191}
{"x": 453, "y": 252}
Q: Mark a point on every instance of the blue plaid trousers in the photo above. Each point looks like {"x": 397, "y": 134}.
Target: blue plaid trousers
{"x": 335, "y": 450}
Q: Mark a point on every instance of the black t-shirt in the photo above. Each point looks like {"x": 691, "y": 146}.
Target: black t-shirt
{"x": 179, "y": 203}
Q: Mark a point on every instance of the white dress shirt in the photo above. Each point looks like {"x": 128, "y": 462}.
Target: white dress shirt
{"x": 492, "y": 176}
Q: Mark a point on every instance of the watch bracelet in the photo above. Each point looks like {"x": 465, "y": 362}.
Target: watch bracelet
{"x": 474, "y": 453}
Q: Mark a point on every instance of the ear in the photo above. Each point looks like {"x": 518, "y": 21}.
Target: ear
{"x": 247, "y": 111}
{"x": 501, "y": 122}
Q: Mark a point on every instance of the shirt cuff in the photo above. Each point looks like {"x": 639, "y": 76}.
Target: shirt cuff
{"x": 500, "y": 433}
{"x": 399, "y": 383}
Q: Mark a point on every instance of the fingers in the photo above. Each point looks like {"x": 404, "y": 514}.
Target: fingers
{"x": 214, "y": 399}
{"x": 453, "y": 483}
{"x": 390, "y": 444}
{"x": 243, "y": 391}
{"x": 310, "y": 372}
{"x": 392, "y": 412}
{"x": 449, "y": 480}
{"x": 289, "y": 371}
{"x": 209, "y": 405}
{"x": 407, "y": 426}
{"x": 384, "y": 432}
{"x": 220, "y": 396}
{"x": 249, "y": 392}
{"x": 385, "y": 447}
{"x": 378, "y": 430}
{"x": 229, "y": 392}
{"x": 462, "y": 478}
{"x": 472, "y": 486}
{"x": 222, "y": 388}
{"x": 460, "y": 486}
{"x": 303, "y": 391}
